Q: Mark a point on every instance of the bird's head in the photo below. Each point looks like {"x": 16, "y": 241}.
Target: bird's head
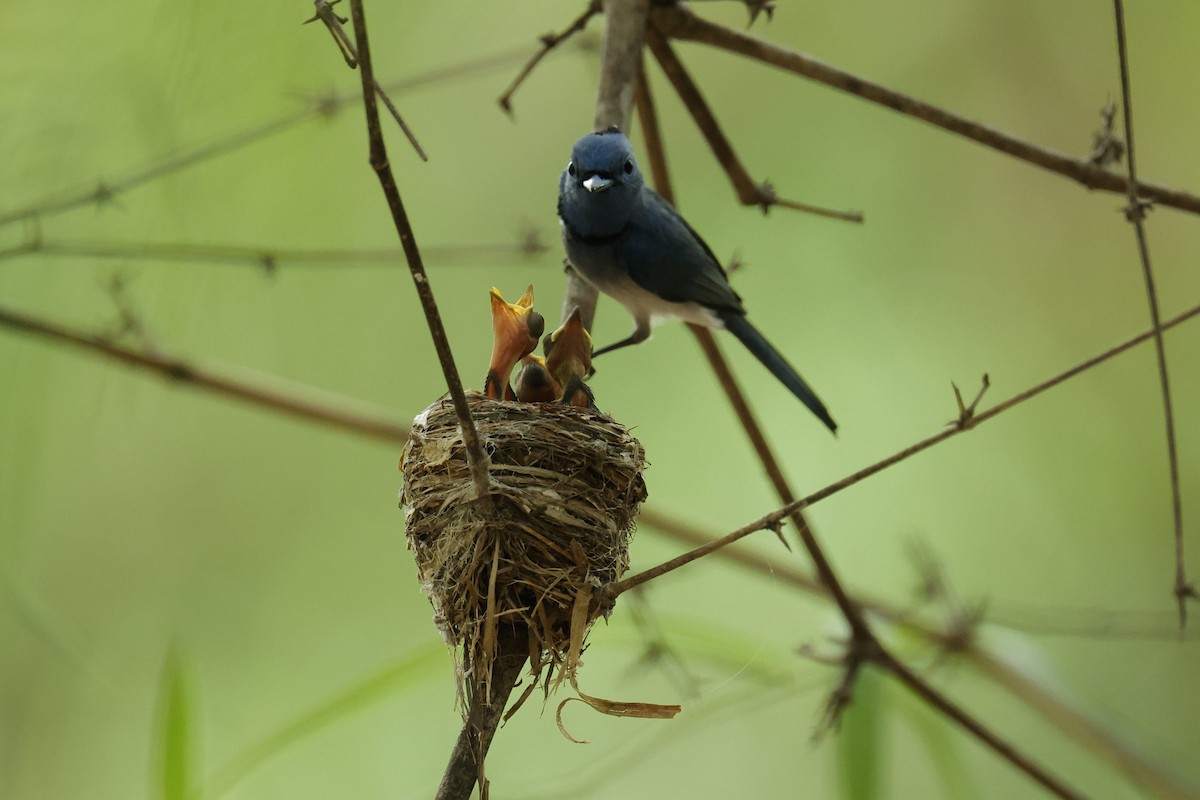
{"x": 516, "y": 329}
{"x": 601, "y": 186}
{"x": 569, "y": 350}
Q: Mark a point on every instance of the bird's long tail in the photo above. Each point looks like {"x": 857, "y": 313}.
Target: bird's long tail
{"x": 756, "y": 343}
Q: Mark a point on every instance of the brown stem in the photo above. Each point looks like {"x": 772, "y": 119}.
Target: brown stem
{"x": 678, "y": 22}
{"x": 748, "y": 192}
{"x": 267, "y": 258}
{"x": 476, "y": 458}
{"x": 775, "y": 517}
{"x": 333, "y": 22}
{"x": 656, "y": 156}
{"x": 1135, "y": 212}
{"x": 952, "y": 710}
{"x": 184, "y": 372}
{"x": 549, "y": 42}
{"x": 483, "y": 717}
{"x": 620, "y": 66}
{"x": 656, "y": 151}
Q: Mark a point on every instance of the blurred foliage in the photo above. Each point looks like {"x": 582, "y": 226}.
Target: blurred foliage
{"x": 134, "y": 513}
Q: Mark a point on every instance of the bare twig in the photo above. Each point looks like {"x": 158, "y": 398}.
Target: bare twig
{"x": 549, "y": 42}
{"x": 476, "y": 457}
{"x": 1059, "y": 714}
{"x": 678, "y": 22}
{"x": 620, "y": 65}
{"x": 620, "y": 61}
{"x": 334, "y": 23}
{"x": 656, "y": 157}
{"x": 488, "y": 700}
{"x": 335, "y": 412}
{"x": 323, "y": 106}
{"x": 863, "y": 647}
{"x": 268, "y": 258}
{"x": 777, "y": 516}
{"x": 656, "y": 151}
{"x": 1135, "y": 212}
{"x": 748, "y": 192}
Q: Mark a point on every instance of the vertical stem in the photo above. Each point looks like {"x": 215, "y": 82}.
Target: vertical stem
{"x": 476, "y": 458}
{"x": 1135, "y": 212}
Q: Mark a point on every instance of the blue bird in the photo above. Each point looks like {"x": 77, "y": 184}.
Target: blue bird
{"x": 628, "y": 242}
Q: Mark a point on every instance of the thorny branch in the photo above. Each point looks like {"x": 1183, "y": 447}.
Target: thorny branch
{"x": 678, "y": 22}
{"x": 333, "y": 22}
{"x": 508, "y": 657}
{"x": 336, "y": 413}
{"x": 748, "y": 192}
{"x": 620, "y": 65}
{"x": 776, "y": 517}
{"x": 1135, "y": 212}
{"x": 269, "y": 259}
{"x": 319, "y": 107}
{"x": 863, "y": 646}
{"x": 657, "y": 159}
{"x": 476, "y": 458}
{"x": 549, "y": 42}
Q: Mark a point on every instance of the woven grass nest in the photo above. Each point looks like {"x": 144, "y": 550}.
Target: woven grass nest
{"x": 567, "y": 484}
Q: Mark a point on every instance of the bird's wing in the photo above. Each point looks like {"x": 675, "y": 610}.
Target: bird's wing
{"x": 665, "y": 256}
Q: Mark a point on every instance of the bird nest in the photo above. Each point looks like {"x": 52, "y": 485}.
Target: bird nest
{"x": 566, "y": 486}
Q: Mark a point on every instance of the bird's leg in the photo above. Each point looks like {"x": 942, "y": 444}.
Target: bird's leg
{"x": 640, "y": 334}
{"x": 574, "y": 387}
{"x": 492, "y": 387}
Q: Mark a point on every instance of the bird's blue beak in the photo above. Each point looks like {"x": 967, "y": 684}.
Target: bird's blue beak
{"x": 597, "y": 184}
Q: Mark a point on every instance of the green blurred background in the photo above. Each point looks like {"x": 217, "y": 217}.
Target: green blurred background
{"x": 155, "y": 536}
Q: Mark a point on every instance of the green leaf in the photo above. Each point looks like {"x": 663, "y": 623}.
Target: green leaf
{"x": 173, "y": 735}
{"x": 364, "y": 694}
{"x": 860, "y": 739}
{"x": 941, "y": 742}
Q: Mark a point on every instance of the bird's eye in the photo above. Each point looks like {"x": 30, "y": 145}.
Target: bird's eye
{"x": 571, "y": 169}
{"x": 629, "y": 166}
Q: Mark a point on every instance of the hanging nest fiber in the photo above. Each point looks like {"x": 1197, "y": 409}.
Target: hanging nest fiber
{"x": 567, "y": 484}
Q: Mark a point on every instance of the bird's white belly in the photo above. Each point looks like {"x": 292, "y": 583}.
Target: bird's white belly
{"x": 642, "y": 304}
{"x": 594, "y": 266}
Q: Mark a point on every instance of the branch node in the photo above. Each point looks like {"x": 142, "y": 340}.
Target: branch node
{"x": 1136, "y": 210}
{"x": 756, "y": 7}
{"x": 1107, "y": 148}
{"x": 966, "y": 412}
{"x": 766, "y": 196}
{"x": 549, "y": 41}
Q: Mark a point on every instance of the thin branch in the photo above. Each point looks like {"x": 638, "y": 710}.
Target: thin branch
{"x": 952, "y": 710}
{"x": 748, "y": 192}
{"x": 678, "y": 22}
{"x": 476, "y": 458}
{"x": 620, "y": 65}
{"x": 465, "y": 767}
{"x": 1135, "y": 212}
{"x": 863, "y": 647}
{"x": 549, "y": 42}
{"x": 776, "y": 517}
{"x": 334, "y": 23}
{"x": 656, "y": 157}
{"x": 620, "y": 61}
{"x": 106, "y": 191}
{"x": 336, "y": 411}
{"x": 269, "y": 258}
{"x": 320, "y": 107}
{"x": 656, "y": 151}
{"x": 862, "y": 636}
